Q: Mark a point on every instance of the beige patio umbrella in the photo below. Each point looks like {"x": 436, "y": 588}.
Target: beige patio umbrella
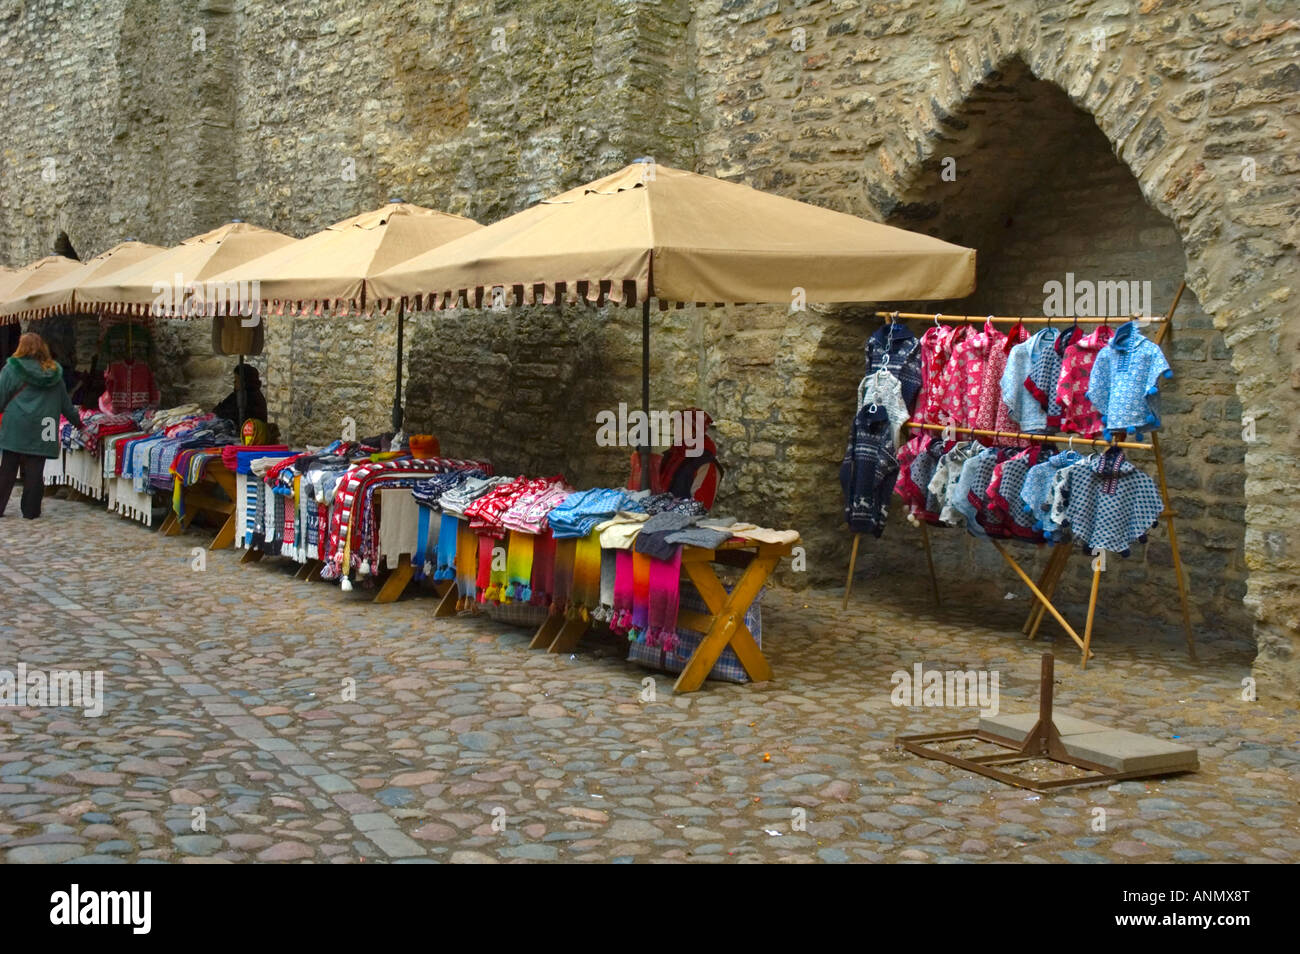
{"x": 7, "y": 279}
{"x": 333, "y": 267}
{"x": 33, "y": 276}
{"x": 650, "y": 231}
{"x": 171, "y": 283}
{"x": 60, "y": 296}
{"x": 681, "y": 237}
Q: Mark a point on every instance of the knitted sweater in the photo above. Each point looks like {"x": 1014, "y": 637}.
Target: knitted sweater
{"x": 1109, "y": 503}
{"x": 868, "y": 472}
{"x": 1124, "y": 383}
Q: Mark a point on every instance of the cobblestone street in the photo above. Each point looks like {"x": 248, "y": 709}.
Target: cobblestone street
{"x": 224, "y": 693}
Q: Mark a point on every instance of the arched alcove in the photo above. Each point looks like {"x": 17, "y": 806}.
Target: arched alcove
{"x": 1027, "y": 177}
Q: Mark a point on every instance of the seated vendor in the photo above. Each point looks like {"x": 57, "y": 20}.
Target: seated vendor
{"x": 254, "y": 399}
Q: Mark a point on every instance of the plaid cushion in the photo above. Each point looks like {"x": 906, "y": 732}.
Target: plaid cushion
{"x": 728, "y": 667}
{"x": 517, "y": 614}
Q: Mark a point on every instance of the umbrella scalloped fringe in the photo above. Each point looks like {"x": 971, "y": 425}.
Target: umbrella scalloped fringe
{"x": 596, "y": 292}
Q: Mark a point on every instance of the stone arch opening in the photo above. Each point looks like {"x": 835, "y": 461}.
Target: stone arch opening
{"x": 1039, "y": 191}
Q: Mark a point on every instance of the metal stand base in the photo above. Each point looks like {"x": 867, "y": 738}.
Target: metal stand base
{"x": 1042, "y": 743}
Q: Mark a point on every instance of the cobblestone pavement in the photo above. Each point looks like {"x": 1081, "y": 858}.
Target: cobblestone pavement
{"x": 225, "y": 736}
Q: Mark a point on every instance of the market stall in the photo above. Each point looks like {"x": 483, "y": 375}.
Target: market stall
{"x": 650, "y": 232}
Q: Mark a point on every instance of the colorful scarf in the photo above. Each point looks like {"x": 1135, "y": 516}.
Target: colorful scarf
{"x": 519, "y": 566}
{"x": 665, "y": 587}
{"x": 640, "y": 595}
{"x": 466, "y": 564}
{"x": 426, "y": 542}
{"x": 621, "y": 620}
{"x": 608, "y": 575}
{"x": 565, "y": 551}
{"x": 447, "y": 535}
{"x": 586, "y": 576}
{"x": 483, "y": 580}
{"x": 543, "y": 581}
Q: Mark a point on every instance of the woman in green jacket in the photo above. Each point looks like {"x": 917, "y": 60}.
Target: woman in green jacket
{"x": 32, "y": 396}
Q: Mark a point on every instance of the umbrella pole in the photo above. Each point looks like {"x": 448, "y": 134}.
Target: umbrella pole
{"x": 397, "y": 392}
{"x": 645, "y": 389}
{"x": 240, "y": 401}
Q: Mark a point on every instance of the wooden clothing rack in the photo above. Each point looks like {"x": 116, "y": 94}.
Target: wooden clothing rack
{"x": 1045, "y": 588}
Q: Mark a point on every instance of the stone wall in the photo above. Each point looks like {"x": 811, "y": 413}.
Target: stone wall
{"x": 166, "y": 118}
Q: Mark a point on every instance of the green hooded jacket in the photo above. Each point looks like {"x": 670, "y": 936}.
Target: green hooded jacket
{"x": 32, "y": 397}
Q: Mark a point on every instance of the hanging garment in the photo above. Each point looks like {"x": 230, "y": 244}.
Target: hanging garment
{"x": 1124, "y": 384}
{"x": 963, "y": 376}
{"x": 621, "y": 620}
{"x": 727, "y": 668}
{"x": 993, "y": 413}
{"x": 640, "y": 596}
{"x": 1036, "y": 492}
{"x": 608, "y": 570}
{"x": 519, "y": 566}
{"x": 1045, "y": 376}
{"x": 936, "y": 350}
{"x": 1109, "y": 503}
{"x": 128, "y": 386}
{"x": 1033, "y": 367}
{"x": 913, "y": 497}
{"x": 466, "y": 565}
{"x": 972, "y": 485}
{"x": 664, "y": 585}
{"x": 923, "y": 468}
{"x": 1004, "y": 505}
{"x": 893, "y": 348}
{"x": 947, "y": 472}
{"x": 1057, "y": 500}
{"x": 543, "y": 581}
{"x": 486, "y": 587}
{"x": 562, "y": 585}
{"x": 868, "y": 472}
{"x": 881, "y": 389}
{"x": 1078, "y": 415}
{"x": 427, "y": 526}
{"x": 586, "y": 577}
